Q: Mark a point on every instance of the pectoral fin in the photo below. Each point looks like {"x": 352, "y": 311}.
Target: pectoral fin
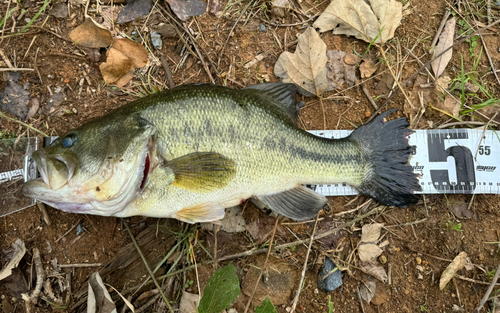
{"x": 202, "y": 171}
{"x": 208, "y": 212}
{"x": 299, "y": 203}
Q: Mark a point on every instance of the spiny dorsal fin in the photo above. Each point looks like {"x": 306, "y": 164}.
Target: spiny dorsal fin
{"x": 299, "y": 203}
{"x": 282, "y": 95}
{"x": 202, "y": 171}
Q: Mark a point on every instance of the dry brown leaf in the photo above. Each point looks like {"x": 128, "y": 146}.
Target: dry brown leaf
{"x": 351, "y": 59}
{"x": 367, "y": 290}
{"x": 449, "y": 105}
{"x": 369, "y": 252}
{"x": 90, "y": 34}
{"x": 117, "y": 65}
{"x": 445, "y": 41}
{"x": 186, "y": 8}
{"x": 17, "y": 256}
{"x": 338, "y": 71}
{"x": 133, "y": 50}
{"x": 307, "y": 66}
{"x": 376, "y": 271}
{"x": 382, "y": 294}
{"x": 362, "y": 20}
{"x": 367, "y": 68}
{"x": 371, "y": 232}
{"x": 457, "y": 264}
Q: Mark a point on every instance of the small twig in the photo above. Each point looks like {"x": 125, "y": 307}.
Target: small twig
{"x": 79, "y": 265}
{"x": 474, "y": 281}
{"x": 6, "y": 59}
{"x": 24, "y": 124}
{"x": 5, "y": 22}
{"x": 360, "y": 300}
{"x": 43, "y": 210}
{"x": 147, "y": 265}
{"x": 460, "y": 123}
{"x": 488, "y": 292}
{"x": 40, "y": 277}
{"x": 323, "y": 110}
{"x": 440, "y": 28}
{"x": 303, "y": 275}
{"x": 64, "y": 235}
{"x": 367, "y": 94}
{"x": 286, "y": 25}
{"x": 168, "y": 74}
{"x": 16, "y": 69}
{"x": 263, "y": 266}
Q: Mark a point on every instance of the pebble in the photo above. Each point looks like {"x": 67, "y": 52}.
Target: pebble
{"x": 263, "y": 28}
{"x": 333, "y": 281}
{"x": 419, "y": 260}
{"x": 382, "y": 259}
{"x": 156, "y": 39}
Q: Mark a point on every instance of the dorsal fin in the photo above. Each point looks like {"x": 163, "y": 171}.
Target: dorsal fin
{"x": 282, "y": 95}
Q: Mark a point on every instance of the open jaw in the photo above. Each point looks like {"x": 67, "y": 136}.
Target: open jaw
{"x": 74, "y": 198}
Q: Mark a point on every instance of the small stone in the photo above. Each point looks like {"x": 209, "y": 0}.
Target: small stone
{"x": 263, "y": 28}
{"x": 420, "y": 276}
{"x": 333, "y": 281}
{"x": 156, "y": 39}
{"x": 419, "y": 260}
{"x": 382, "y": 259}
{"x": 167, "y": 30}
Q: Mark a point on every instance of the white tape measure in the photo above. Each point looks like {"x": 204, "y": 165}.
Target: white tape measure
{"x": 446, "y": 160}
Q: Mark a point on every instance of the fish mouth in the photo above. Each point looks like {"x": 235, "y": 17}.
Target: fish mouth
{"x": 56, "y": 170}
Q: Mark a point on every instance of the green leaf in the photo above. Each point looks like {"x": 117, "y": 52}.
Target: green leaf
{"x": 266, "y": 307}
{"x": 221, "y": 291}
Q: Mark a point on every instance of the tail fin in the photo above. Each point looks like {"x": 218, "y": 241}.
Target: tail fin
{"x": 391, "y": 180}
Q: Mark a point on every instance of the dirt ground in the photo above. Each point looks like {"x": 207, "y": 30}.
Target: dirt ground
{"x": 423, "y": 238}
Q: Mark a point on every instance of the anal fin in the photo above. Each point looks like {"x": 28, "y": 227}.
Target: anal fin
{"x": 207, "y": 212}
{"x": 299, "y": 203}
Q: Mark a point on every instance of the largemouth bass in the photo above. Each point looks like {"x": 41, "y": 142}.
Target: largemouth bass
{"x": 192, "y": 151}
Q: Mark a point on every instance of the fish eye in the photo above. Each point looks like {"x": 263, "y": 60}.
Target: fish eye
{"x": 69, "y": 140}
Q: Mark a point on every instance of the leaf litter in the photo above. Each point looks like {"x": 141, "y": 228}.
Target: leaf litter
{"x": 92, "y": 35}
{"x": 445, "y": 42}
{"x": 373, "y": 20}
{"x": 457, "y": 264}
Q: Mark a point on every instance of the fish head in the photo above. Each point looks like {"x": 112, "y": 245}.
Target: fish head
{"x": 98, "y": 168}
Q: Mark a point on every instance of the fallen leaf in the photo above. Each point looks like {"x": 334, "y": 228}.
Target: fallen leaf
{"x": 216, "y": 7}
{"x": 281, "y": 7}
{"x": 266, "y": 307}
{"x": 133, "y": 10}
{"x": 371, "y": 232}
{"x": 351, "y": 59}
{"x": 14, "y": 99}
{"x": 167, "y": 30}
{"x": 125, "y": 79}
{"x": 338, "y": 71}
{"x": 449, "y": 105}
{"x": 108, "y": 19}
{"x": 367, "y": 68}
{"x": 133, "y": 50}
{"x": 376, "y": 271}
{"x": 233, "y": 221}
{"x": 369, "y": 252}
{"x": 189, "y": 302}
{"x": 98, "y": 299}
{"x": 461, "y": 209}
{"x": 226, "y": 280}
{"x": 367, "y": 290}
{"x": 117, "y": 65}
{"x": 91, "y": 34}
{"x": 362, "y": 20}
{"x": 59, "y": 10}
{"x": 445, "y": 41}
{"x": 382, "y": 294}
{"x": 186, "y": 8}
{"x": 443, "y": 83}
{"x": 307, "y": 66}
{"x": 457, "y": 264}
{"x": 17, "y": 255}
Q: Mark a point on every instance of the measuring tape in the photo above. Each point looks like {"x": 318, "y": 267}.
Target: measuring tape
{"x": 450, "y": 161}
